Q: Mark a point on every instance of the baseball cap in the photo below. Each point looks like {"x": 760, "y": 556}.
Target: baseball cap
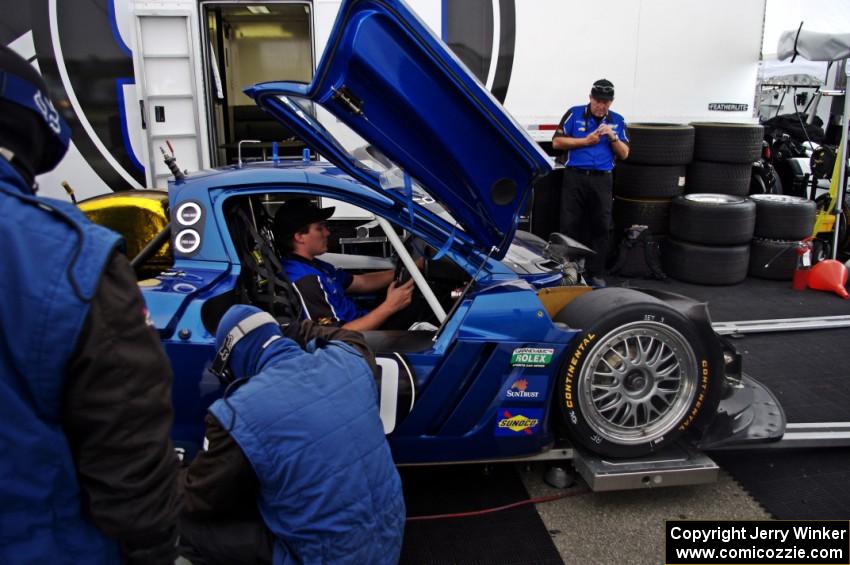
{"x": 296, "y": 214}
{"x": 603, "y": 89}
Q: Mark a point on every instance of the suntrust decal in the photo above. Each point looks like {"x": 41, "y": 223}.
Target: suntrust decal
{"x": 526, "y": 388}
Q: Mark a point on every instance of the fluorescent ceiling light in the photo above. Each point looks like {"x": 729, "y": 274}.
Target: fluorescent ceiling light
{"x": 262, "y": 31}
{"x": 258, "y": 9}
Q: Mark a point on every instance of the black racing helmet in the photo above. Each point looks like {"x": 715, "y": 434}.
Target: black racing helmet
{"x": 38, "y": 137}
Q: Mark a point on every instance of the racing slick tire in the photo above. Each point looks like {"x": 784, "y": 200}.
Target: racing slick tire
{"x": 712, "y": 219}
{"x": 637, "y": 377}
{"x": 653, "y": 213}
{"x": 660, "y": 144}
{"x": 705, "y": 264}
{"x": 649, "y": 181}
{"x": 727, "y": 143}
{"x": 773, "y": 259}
{"x": 779, "y": 216}
{"x": 722, "y": 178}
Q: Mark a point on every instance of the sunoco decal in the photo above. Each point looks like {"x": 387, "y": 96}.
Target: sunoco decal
{"x": 513, "y": 422}
{"x": 531, "y": 357}
{"x": 527, "y": 388}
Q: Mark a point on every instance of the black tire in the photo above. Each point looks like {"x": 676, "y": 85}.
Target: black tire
{"x": 655, "y": 214}
{"x": 777, "y": 185}
{"x": 660, "y": 144}
{"x": 720, "y": 178}
{"x": 623, "y": 332}
{"x": 713, "y": 219}
{"x": 780, "y": 216}
{"x": 704, "y": 264}
{"x": 764, "y": 179}
{"x": 757, "y": 185}
{"x": 773, "y": 259}
{"x": 727, "y": 143}
{"x": 649, "y": 181}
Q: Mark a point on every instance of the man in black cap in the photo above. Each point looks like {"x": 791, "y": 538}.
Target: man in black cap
{"x": 301, "y": 231}
{"x": 89, "y": 473}
{"x": 591, "y": 138}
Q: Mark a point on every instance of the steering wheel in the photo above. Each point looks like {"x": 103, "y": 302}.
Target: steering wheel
{"x": 401, "y": 275}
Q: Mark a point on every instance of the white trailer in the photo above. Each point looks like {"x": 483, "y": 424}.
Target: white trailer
{"x": 135, "y": 76}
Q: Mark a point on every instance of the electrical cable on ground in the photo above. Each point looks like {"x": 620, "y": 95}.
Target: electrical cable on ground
{"x": 538, "y": 500}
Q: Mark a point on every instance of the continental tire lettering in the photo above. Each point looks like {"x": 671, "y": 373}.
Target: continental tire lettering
{"x": 701, "y": 394}
{"x": 571, "y": 368}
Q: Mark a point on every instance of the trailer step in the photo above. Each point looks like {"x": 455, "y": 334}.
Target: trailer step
{"x": 674, "y": 466}
{"x": 781, "y": 325}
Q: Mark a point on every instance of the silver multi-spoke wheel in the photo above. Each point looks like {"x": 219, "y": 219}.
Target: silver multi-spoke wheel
{"x": 638, "y": 382}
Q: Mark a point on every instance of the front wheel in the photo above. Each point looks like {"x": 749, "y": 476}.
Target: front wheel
{"x": 637, "y": 377}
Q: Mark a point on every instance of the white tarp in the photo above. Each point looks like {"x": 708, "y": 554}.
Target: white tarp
{"x": 814, "y": 46}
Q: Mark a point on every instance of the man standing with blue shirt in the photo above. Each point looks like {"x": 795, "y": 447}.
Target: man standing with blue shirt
{"x": 592, "y": 138}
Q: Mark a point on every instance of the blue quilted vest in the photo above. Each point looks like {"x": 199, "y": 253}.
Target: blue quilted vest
{"x": 308, "y": 422}
{"x": 50, "y": 264}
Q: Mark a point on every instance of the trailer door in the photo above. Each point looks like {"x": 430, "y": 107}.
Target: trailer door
{"x": 165, "y": 68}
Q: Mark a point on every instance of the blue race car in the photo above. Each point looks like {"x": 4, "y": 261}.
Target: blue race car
{"x": 514, "y": 355}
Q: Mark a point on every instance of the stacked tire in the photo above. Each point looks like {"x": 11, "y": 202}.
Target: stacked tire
{"x": 710, "y": 238}
{"x": 723, "y": 157}
{"x": 781, "y": 223}
{"x": 654, "y": 174}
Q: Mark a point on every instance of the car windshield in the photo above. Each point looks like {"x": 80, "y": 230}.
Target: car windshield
{"x": 363, "y": 155}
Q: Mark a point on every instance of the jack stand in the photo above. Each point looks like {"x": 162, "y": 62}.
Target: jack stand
{"x": 560, "y": 476}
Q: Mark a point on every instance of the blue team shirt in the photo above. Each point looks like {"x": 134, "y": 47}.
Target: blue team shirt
{"x": 579, "y": 122}
{"x": 321, "y": 287}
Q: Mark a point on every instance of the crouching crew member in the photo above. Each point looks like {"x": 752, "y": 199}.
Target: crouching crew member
{"x": 298, "y": 436}
{"x": 88, "y": 471}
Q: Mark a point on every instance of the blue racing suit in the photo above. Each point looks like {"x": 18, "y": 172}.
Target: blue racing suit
{"x": 308, "y": 423}
{"x": 52, "y": 262}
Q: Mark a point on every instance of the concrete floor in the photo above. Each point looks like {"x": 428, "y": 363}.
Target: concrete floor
{"x": 607, "y": 528}
{"x": 627, "y": 527}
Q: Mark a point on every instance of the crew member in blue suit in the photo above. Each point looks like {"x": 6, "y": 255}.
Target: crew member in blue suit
{"x": 592, "y": 138}
{"x": 87, "y": 471}
{"x": 300, "y": 228}
{"x": 298, "y": 436}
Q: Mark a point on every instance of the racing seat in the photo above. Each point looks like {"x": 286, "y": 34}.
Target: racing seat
{"x": 262, "y": 282}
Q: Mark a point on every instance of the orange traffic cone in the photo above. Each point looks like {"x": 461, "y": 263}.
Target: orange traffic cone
{"x": 830, "y": 275}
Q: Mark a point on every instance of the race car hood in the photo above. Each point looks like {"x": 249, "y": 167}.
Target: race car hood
{"x": 397, "y": 86}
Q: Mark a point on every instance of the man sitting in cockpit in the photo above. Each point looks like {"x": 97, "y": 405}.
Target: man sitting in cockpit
{"x": 301, "y": 232}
